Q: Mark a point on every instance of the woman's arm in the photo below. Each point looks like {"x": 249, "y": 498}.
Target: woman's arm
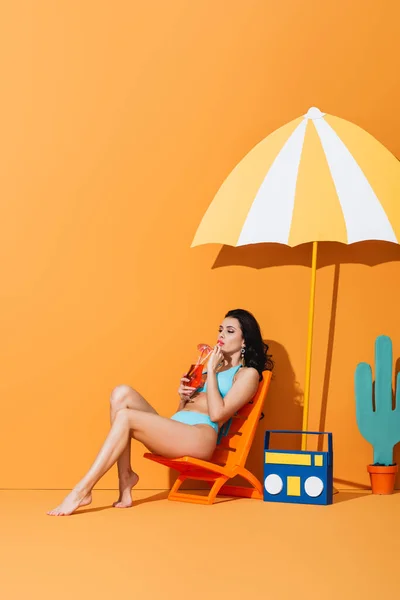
{"x": 215, "y": 401}
{"x": 181, "y": 405}
{"x": 241, "y": 392}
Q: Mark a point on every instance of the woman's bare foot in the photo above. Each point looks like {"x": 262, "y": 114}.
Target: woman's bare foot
{"x": 125, "y": 485}
{"x": 71, "y": 503}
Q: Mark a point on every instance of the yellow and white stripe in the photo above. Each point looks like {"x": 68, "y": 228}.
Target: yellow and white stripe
{"x": 318, "y": 178}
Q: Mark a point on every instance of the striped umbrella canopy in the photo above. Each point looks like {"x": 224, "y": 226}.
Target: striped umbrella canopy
{"x": 317, "y": 178}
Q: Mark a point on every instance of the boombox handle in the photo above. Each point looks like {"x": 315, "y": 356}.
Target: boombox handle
{"x": 330, "y": 443}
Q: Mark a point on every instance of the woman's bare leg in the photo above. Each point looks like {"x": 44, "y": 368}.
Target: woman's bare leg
{"x": 121, "y": 397}
{"x": 163, "y": 436}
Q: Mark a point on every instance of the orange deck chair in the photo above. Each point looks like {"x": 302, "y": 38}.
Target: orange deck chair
{"x": 228, "y": 460}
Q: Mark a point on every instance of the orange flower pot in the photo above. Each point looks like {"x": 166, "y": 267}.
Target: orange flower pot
{"x": 382, "y": 478}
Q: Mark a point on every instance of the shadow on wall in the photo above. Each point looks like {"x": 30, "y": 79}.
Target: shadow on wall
{"x": 283, "y": 410}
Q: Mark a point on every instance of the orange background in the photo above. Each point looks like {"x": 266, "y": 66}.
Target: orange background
{"x": 119, "y": 122}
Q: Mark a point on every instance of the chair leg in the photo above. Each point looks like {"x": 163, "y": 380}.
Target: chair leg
{"x": 218, "y": 484}
{"x": 178, "y": 482}
{"x": 252, "y": 479}
{"x": 256, "y": 491}
{"x": 218, "y": 488}
{"x": 174, "y": 494}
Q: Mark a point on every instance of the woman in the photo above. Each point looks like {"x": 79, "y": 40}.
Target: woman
{"x": 234, "y": 370}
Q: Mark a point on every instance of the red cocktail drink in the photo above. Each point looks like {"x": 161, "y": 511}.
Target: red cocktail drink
{"x": 195, "y": 373}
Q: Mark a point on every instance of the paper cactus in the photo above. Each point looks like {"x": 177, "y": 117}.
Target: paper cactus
{"x": 379, "y": 424}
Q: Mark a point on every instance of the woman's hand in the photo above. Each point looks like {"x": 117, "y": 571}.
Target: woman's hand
{"x": 185, "y": 391}
{"x": 216, "y": 357}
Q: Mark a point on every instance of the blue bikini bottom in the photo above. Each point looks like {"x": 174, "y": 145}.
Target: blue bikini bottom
{"x": 191, "y": 417}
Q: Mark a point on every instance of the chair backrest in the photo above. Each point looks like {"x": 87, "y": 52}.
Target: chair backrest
{"x": 235, "y": 446}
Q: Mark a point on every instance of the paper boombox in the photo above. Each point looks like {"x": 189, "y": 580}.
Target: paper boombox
{"x": 298, "y": 476}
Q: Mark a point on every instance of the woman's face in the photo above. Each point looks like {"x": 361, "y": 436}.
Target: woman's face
{"x": 230, "y": 336}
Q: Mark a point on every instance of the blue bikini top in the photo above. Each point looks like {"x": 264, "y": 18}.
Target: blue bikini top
{"x": 224, "y": 381}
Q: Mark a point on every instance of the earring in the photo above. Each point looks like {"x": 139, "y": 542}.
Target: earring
{"x": 242, "y": 352}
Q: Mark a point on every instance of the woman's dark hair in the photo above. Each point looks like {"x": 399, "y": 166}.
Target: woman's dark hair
{"x": 256, "y": 350}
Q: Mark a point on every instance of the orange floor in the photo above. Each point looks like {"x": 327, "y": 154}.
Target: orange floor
{"x": 235, "y": 549}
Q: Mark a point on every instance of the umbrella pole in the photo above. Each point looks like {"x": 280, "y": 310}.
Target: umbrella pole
{"x": 309, "y": 345}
